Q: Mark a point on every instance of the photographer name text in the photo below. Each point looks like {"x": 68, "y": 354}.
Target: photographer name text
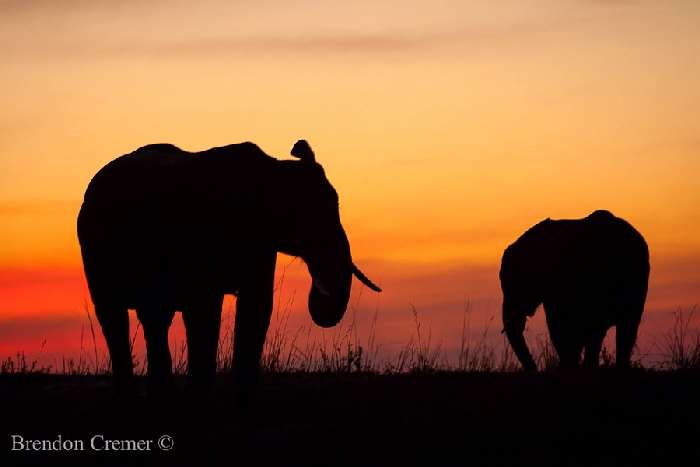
{"x": 97, "y": 443}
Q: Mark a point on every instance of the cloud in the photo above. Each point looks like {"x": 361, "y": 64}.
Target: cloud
{"x": 613, "y": 3}
{"x": 19, "y": 328}
{"x": 390, "y": 41}
{"x": 37, "y": 277}
{"x": 321, "y": 43}
{"x": 136, "y": 41}
{"x": 222, "y": 45}
{"x": 25, "y": 6}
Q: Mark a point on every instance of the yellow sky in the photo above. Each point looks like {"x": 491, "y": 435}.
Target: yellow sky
{"x": 447, "y": 127}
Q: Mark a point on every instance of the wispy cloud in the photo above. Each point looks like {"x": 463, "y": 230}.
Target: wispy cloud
{"x": 613, "y": 2}
{"x": 222, "y": 45}
{"x": 392, "y": 39}
{"x": 19, "y": 328}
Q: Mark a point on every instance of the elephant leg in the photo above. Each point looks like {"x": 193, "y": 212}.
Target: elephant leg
{"x": 564, "y": 338}
{"x": 253, "y": 311}
{"x": 114, "y": 321}
{"x": 625, "y": 338}
{"x": 594, "y": 344}
{"x": 202, "y": 320}
{"x": 156, "y": 323}
{"x": 569, "y": 357}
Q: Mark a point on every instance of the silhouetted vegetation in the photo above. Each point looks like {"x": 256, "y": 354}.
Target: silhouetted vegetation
{"x": 575, "y": 417}
{"x": 346, "y": 350}
{"x": 681, "y": 344}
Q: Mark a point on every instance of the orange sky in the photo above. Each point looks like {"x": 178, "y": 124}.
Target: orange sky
{"x": 418, "y": 110}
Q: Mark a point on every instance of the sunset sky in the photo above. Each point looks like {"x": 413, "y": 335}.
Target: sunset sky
{"x": 447, "y": 128}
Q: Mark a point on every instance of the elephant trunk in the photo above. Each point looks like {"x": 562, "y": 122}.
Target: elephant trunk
{"x": 517, "y": 341}
{"x": 328, "y": 298}
{"x": 331, "y": 279}
{"x": 514, "y": 328}
{"x": 331, "y": 272}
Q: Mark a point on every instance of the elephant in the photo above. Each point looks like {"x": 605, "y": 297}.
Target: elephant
{"x": 164, "y": 230}
{"x": 589, "y": 274}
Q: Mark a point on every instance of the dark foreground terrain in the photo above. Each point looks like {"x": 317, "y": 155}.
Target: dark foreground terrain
{"x": 580, "y": 418}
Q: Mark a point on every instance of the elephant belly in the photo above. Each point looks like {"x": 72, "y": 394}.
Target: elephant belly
{"x": 149, "y": 273}
{"x": 586, "y": 304}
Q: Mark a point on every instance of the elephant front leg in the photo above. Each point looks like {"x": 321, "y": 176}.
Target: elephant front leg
{"x": 253, "y": 311}
{"x": 202, "y": 320}
{"x": 156, "y": 323}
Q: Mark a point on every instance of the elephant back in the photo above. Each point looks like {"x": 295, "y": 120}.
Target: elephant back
{"x": 162, "y": 212}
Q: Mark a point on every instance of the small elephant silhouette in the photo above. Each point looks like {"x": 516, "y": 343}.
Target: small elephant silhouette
{"x": 162, "y": 229}
{"x": 589, "y": 274}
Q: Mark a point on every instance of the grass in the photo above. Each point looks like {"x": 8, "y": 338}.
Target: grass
{"x": 422, "y": 403}
{"x": 681, "y": 344}
{"x": 345, "y": 350}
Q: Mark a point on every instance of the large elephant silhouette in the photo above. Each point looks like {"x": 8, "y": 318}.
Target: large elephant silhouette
{"x": 589, "y": 274}
{"x": 164, "y": 230}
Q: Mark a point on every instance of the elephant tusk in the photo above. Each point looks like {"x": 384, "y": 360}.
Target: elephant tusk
{"x": 364, "y": 279}
{"x": 318, "y": 285}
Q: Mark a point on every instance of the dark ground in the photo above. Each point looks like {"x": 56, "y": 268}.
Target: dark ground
{"x": 579, "y": 418}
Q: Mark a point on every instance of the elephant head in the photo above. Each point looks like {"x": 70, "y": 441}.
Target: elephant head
{"x": 311, "y": 229}
{"x": 523, "y": 278}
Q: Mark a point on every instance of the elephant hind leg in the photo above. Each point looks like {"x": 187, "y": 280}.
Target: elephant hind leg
{"x": 591, "y": 358}
{"x": 156, "y": 323}
{"x": 114, "y": 321}
{"x": 570, "y": 356}
{"x": 625, "y": 339}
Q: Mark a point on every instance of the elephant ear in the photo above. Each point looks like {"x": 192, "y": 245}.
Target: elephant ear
{"x": 303, "y": 151}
